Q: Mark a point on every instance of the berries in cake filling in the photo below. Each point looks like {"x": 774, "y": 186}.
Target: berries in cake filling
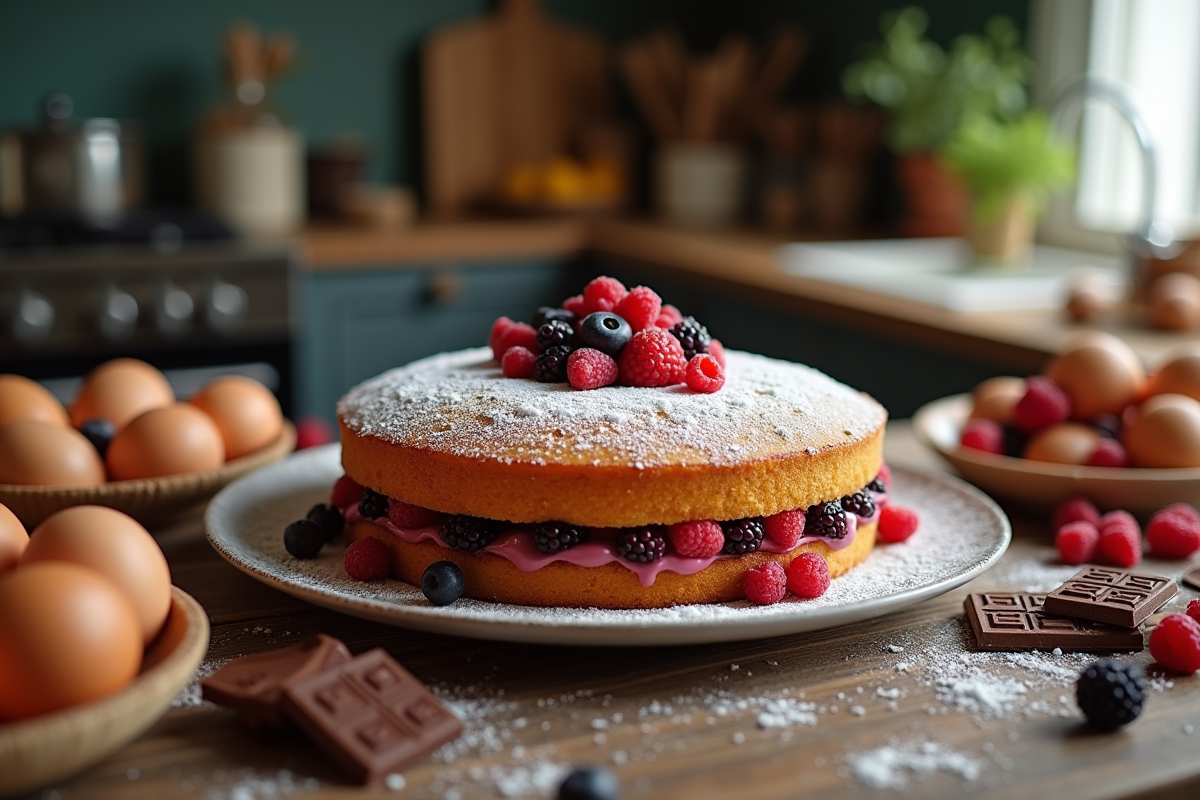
{"x": 406, "y": 515}
{"x": 693, "y": 337}
{"x": 372, "y": 504}
{"x": 742, "y": 536}
{"x": 555, "y": 333}
{"x": 877, "y": 485}
{"x": 551, "y": 366}
{"x": 826, "y": 519}
{"x": 346, "y": 492}
{"x": 555, "y": 537}
{"x": 606, "y": 332}
{"x": 469, "y": 533}
{"x": 642, "y": 545}
{"x": 859, "y": 503}
{"x": 698, "y": 539}
{"x": 786, "y": 527}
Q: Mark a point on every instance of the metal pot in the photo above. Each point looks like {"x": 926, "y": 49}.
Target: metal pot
{"x": 90, "y": 171}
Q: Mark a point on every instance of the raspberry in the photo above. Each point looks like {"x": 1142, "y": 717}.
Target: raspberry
{"x": 669, "y": 317}
{"x": 346, "y": 492}
{"x": 826, "y": 519}
{"x": 896, "y": 524}
{"x": 1075, "y": 510}
{"x": 704, "y": 374}
{"x": 808, "y": 576}
{"x": 406, "y": 515}
{"x": 555, "y": 537}
{"x": 367, "y": 559}
{"x": 642, "y": 545}
{"x": 765, "y": 584}
{"x": 717, "y": 351}
{"x": 551, "y": 366}
{"x": 372, "y": 504}
{"x": 742, "y": 536}
{"x": 692, "y": 336}
{"x": 554, "y": 334}
{"x": 1173, "y": 532}
{"x": 983, "y": 434}
{"x": 700, "y": 539}
{"x": 499, "y": 327}
{"x": 469, "y": 533}
{"x": 786, "y": 527}
{"x": 575, "y": 306}
{"x": 602, "y": 294}
{"x": 860, "y": 504}
{"x": 518, "y": 362}
{"x": 591, "y": 369}
{"x": 1175, "y": 643}
{"x": 1110, "y": 693}
{"x": 1193, "y": 609}
{"x": 640, "y": 308}
{"x": 1108, "y": 453}
{"x": 1044, "y": 404}
{"x": 1119, "y": 519}
{"x": 1119, "y": 546}
{"x": 516, "y": 335}
{"x": 1077, "y": 542}
{"x": 653, "y": 357}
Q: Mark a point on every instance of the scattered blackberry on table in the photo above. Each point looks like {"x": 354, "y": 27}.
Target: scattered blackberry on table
{"x": 642, "y": 545}
{"x": 372, "y": 504}
{"x": 589, "y": 783}
{"x": 1110, "y": 693}
{"x": 555, "y": 333}
{"x": 99, "y": 432}
{"x": 442, "y": 583}
{"x": 742, "y": 536}
{"x": 826, "y": 519}
{"x": 469, "y": 533}
{"x": 303, "y": 538}
{"x": 547, "y": 314}
{"x": 328, "y": 518}
{"x": 551, "y": 365}
{"x": 555, "y": 537}
{"x": 692, "y": 335}
{"x": 606, "y": 332}
{"x": 859, "y": 503}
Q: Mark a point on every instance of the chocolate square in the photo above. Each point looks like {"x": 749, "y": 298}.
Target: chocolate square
{"x": 1016, "y": 621}
{"x": 1192, "y": 578}
{"x": 1115, "y": 596}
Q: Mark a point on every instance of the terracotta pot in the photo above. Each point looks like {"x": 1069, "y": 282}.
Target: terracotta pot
{"x": 935, "y": 202}
{"x": 1004, "y": 235}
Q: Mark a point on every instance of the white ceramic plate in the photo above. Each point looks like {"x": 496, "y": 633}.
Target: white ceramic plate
{"x": 962, "y": 533}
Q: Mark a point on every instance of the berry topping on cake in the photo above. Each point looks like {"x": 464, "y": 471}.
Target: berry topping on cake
{"x": 469, "y": 533}
{"x": 551, "y": 366}
{"x": 303, "y": 538}
{"x": 669, "y": 317}
{"x": 330, "y": 520}
{"x": 699, "y": 539}
{"x": 1110, "y": 693}
{"x": 367, "y": 559}
{"x": 653, "y": 357}
{"x": 575, "y": 305}
{"x": 518, "y": 334}
{"x": 765, "y": 584}
{"x": 786, "y": 527}
{"x": 603, "y": 294}
{"x": 704, "y": 374}
{"x": 591, "y": 369}
{"x": 692, "y": 336}
{"x": 1076, "y": 542}
{"x": 640, "y": 308}
{"x": 547, "y": 314}
{"x": 555, "y": 537}
{"x": 717, "y": 351}
{"x": 606, "y": 332}
{"x": 442, "y": 583}
{"x": 826, "y": 519}
{"x": 808, "y": 576}
{"x": 896, "y": 524}
{"x": 346, "y": 492}
{"x": 859, "y": 503}
{"x": 642, "y": 545}
{"x": 406, "y": 515}
{"x": 742, "y": 536}
{"x": 518, "y": 362}
{"x": 1175, "y": 643}
{"x": 372, "y": 505}
{"x": 555, "y": 333}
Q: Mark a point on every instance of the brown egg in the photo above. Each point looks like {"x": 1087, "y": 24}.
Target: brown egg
{"x": 245, "y": 411}
{"x": 13, "y": 539}
{"x": 1067, "y": 443}
{"x": 1179, "y": 373}
{"x": 1100, "y": 373}
{"x": 21, "y": 398}
{"x": 35, "y": 453}
{"x": 117, "y": 547}
{"x": 119, "y": 391}
{"x": 173, "y": 440}
{"x": 1165, "y": 433}
{"x": 996, "y": 397}
{"x": 67, "y": 636}
{"x": 1173, "y": 302}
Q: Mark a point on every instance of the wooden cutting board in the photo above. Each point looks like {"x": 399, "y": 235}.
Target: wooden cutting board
{"x": 512, "y": 87}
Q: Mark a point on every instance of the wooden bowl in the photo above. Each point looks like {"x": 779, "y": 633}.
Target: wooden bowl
{"x": 43, "y": 749}
{"x": 1040, "y": 486}
{"x": 149, "y": 500}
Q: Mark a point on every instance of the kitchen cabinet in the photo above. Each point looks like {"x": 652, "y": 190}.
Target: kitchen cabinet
{"x": 358, "y": 322}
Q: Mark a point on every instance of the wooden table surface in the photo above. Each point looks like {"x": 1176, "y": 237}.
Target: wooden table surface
{"x": 685, "y": 721}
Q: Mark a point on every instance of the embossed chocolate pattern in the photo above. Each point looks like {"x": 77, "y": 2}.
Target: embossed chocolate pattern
{"x": 1111, "y": 595}
{"x": 1015, "y": 621}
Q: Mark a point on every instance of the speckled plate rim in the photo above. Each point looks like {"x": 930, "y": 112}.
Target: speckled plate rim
{"x": 245, "y": 522}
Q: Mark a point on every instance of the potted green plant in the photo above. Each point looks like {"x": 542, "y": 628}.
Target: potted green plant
{"x": 927, "y": 91}
{"x": 1010, "y": 168}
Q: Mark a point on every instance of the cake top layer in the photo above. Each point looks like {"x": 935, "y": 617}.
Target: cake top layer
{"x": 460, "y": 404}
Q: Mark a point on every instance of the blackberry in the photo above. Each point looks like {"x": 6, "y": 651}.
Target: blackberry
{"x": 1014, "y": 441}
{"x": 372, "y": 504}
{"x": 303, "y": 538}
{"x": 742, "y": 536}
{"x": 469, "y": 533}
{"x": 589, "y": 783}
{"x": 859, "y": 503}
{"x": 546, "y": 313}
{"x": 554, "y": 537}
{"x": 442, "y": 583}
{"x": 1107, "y": 425}
{"x": 555, "y": 333}
{"x": 606, "y": 332}
{"x": 642, "y": 545}
{"x": 826, "y": 519}
{"x": 551, "y": 365}
{"x": 1110, "y": 693}
{"x": 99, "y": 432}
{"x": 877, "y": 486}
{"x": 692, "y": 335}
{"x": 329, "y": 518}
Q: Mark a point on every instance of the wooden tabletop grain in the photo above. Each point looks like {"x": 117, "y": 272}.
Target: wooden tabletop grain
{"x": 813, "y": 714}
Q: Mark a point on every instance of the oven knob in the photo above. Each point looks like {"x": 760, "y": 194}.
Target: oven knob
{"x": 226, "y": 307}
{"x": 118, "y": 314}
{"x": 34, "y": 319}
{"x": 173, "y": 312}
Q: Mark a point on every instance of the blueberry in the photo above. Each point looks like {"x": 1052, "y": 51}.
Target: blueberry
{"x": 99, "y": 432}
{"x": 546, "y": 314}
{"x": 303, "y": 538}
{"x": 589, "y": 783}
{"x": 442, "y": 583}
{"x": 606, "y": 332}
{"x": 329, "y": 518}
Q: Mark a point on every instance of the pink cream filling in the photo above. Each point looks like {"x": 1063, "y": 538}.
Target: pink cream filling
{"x": 516, "y": 545}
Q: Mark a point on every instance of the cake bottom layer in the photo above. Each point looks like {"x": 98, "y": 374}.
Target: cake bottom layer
{"x": 493, "y": 578}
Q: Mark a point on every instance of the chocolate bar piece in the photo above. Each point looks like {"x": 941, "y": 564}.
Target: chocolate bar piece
{"x": 1192, "y": 578}
{"x": 1016, "y": 621}
{"x": 370, "y": 715}
{"x": 1116, "y": 596}
{"x": 253, "y": 685}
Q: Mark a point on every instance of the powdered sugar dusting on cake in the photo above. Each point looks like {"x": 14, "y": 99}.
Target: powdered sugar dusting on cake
{"x": 460, "y": 403}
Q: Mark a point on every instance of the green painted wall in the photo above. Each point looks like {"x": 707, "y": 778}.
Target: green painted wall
{"x": 157, "y": 60}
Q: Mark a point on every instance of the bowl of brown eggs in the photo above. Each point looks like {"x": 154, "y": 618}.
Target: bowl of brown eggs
{"x": 1094, "y": 424}
{"x": 128, "y": 443}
